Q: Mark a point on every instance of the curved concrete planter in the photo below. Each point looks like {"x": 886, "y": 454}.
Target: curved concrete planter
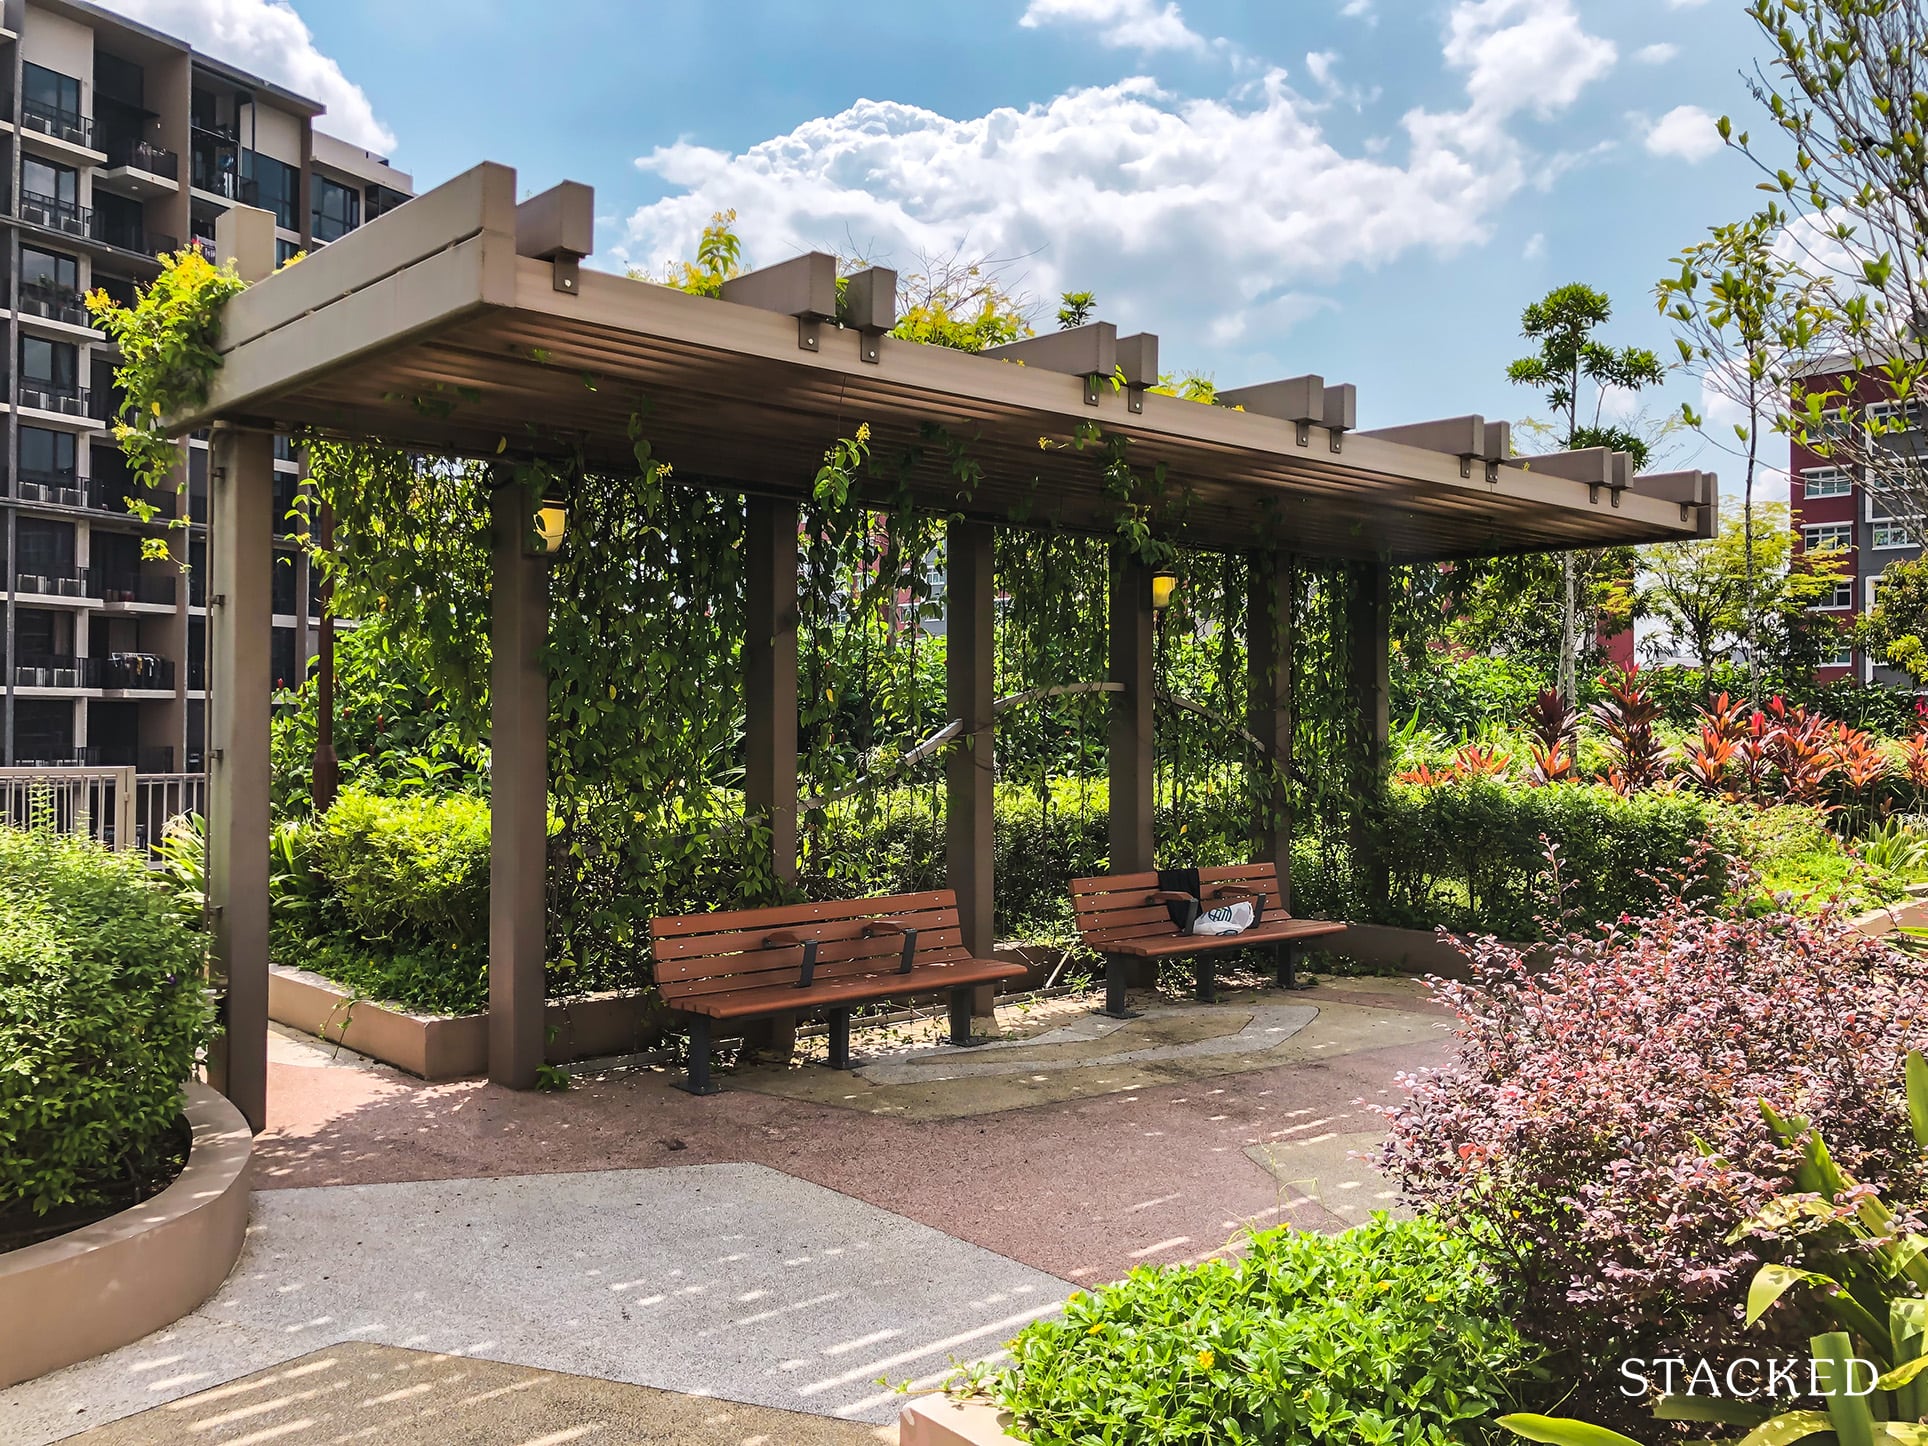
{"x": 438, "y": 1047}
{"x": 941, "y": 1421}
{"x": 108, "y": 1284}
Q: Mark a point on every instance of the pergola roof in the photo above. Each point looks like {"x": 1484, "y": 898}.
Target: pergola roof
{"x": 462, "y": 322}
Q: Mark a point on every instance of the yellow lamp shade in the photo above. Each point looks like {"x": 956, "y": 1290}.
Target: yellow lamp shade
{"x": 1163, "y": 585}
{"x": 552, "y": 520}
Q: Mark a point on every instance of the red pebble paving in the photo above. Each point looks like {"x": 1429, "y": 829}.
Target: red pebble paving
{"x": 1084, "y": 1189}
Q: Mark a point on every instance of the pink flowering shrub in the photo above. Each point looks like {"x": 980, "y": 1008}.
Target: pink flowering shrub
{"x": 1603, "y": 1117}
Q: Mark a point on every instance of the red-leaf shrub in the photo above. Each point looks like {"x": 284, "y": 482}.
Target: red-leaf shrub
{"x": 1603, "y": 1115}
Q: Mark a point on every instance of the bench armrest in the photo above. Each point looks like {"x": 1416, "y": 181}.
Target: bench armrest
{"x": 890, "y": 926}
{"x": 874, "y": 927}
{"x": 1169, "y": 896}
{"x": 790, "y": 939}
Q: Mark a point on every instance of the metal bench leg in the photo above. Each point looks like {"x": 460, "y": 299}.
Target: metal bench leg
{"x": 1288, "y": 966}
{"x": 698, "y": 1082}
{"x": 1205, "y": 977}
{"x": 1117, "y": 970}
{"x": 840, "y": 1039}
{"x": 962, "y": 998}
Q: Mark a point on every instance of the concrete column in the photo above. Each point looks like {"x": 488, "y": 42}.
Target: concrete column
{"x": 770, "y": 676}
{"x": 970, "y": 660}
{"x": 240, "y": 594}
{"x": 1369, "y": 636}
{"x": 1131, "y": 714}
{"x": 1270, "y": 639}
{"x": 519, "y": 790}
{"x": 240, "y": 586}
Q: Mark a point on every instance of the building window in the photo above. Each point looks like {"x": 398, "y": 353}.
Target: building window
{"x": 51, "y": 366}
{"x": 1896, "y": 532}
{"x": 1827, "y": 537}
{"x": 1841, "y": 657}
{"x": 49, "y": 194}
{"x": 337, "y": 209}
{"x": 285, "y": 251}
{"x": 50, "y": 95}
{"x": 1826, "y": 482}
{"x": 274, "y": 186}
{"x": 49, "y": 273}
{"x": 1841, "y": 597}
{"x": 46, "y": 547}
{"x": 46, "y": 455}
{"x": 1889, "y": 417}
{"x": 380, "y": 200}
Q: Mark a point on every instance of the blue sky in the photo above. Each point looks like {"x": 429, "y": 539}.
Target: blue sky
{"x": 1369, "y": 189}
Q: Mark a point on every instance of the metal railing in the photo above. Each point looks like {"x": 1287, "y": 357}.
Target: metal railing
{"x": 55, "y": 305}
{"x": 130, "y": 236}
{"x": 74, "y": 401}
{"x": 162, "y": 796}
{"x": 144, "y": 156}
{"x": 133, "y": 587}
{"x": 148, "y": 672}
{"x": 50, "y": 120}
{"x": 56, "y": 670}
{"x": 55, "y": 214}
{"x": 97, "y": 802}
{"x": 70, "y": 583}
{"x": 54, "y": 489}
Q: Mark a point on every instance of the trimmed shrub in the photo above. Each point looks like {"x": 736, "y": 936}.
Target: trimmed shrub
{"x": 1389, "y": 1332}
{"x": 102, "y": 1016}
{"x": 1603, "y": 1118}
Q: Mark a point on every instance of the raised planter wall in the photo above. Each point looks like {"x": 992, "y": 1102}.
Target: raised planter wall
{"x": 108, "y": 1284}
{"x": 446, "y": 1047}
{"x": 940, "y": 1421}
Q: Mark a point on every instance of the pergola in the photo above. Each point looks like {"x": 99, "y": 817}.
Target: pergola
{"x": 465, "y": 289}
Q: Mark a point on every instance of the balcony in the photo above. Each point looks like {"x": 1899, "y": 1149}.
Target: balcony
{"x": 123, "y": 236}
{"x": 68, "y": 583}
{"x": 63, "y": 125}
{"x": 56, "y": 670}
{"x": 136, "y": 672}
{"x": 137, "y": 155}
{"x": 119, "y": 289}
{"x": 214, "y": 182}
{"x": 66, "y": 217}
{"x": 51, "y": 488}
{"x": 55, "y": 305}
{"x": 67, "y": 401}
{"x": 134, "y": 587}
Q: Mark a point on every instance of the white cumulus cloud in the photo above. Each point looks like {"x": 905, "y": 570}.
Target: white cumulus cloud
{"x": 1686, "y": 131}
{"x": 1122, "y": 24}
{"x": 1204, "y": 218}
{"x": 270, "y": 39}
{"x": 1657, "y": 54}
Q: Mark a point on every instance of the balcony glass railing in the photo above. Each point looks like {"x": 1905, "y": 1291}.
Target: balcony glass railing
{"x": 137, "y": 670}
{"x": 66, "y": 125}
{"x": 67, "y": 401}
{"x": 128, "y": 236}
{"x": 121, "y": 290}
{"x": 144, "y": 156}
{"x": 70, "y": 582}
{"x": 56, "y": 670}
{"x": 133, "y": 587}
{"x": 55, "y": 305}
{"x": 226, "y": 184}
{"x": 50, "y": 487}
{"x": 55, "y": 214}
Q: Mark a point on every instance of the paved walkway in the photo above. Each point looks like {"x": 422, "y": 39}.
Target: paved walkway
{"x": 623, "y": 1255}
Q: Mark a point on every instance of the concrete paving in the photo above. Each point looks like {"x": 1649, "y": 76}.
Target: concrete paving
{"x": 731, "y": 1281}
{"x": 383, "y": 1394}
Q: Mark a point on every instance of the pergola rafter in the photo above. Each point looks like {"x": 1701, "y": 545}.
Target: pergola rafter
{"x": 464, "y": 323}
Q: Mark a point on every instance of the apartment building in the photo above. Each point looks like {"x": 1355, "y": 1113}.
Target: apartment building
{"x": 123, "y": 144}
{"x": 1833, "y": 507}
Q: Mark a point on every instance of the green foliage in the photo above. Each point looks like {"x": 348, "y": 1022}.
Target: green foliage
{"x": 967, "y": 305}
{"x": 1897, "y": 630}
{"x": 719, "y": 256}
{"x": 103, "y": 1013}
{"x": 167, "y": 342}
{"x": 1075, "y": 308}
{"x": 1387, "y": 1333}
{"x": 1470, "y": 855}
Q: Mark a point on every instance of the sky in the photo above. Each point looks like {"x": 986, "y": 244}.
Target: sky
{"x": 1367, "y": 189}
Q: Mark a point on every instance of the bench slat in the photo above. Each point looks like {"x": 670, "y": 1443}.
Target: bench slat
{"x": 757, "y": 962}
{"x": 928, "y": 924}
{"x": 1113, "y": 916}
{"x": 862, "y": 989}
{"x": 777, "y": 916}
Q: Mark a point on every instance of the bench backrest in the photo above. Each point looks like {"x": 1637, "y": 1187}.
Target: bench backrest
{"x": 710, "y": 954}
{"x": 1112, "y": 907}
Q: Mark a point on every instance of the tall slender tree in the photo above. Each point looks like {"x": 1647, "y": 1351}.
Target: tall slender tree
{"x": 1571, "y": 359}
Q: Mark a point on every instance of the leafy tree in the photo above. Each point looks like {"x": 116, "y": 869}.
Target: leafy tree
{"x": 1570, "y": 359}
{"x": 1075, "y": 308}
{"x": 719, "y": 256}
{"x": 1712, "y": 594}
{"x": 1846, "y": 91}
{"x": 1746, "y": 315}
{"x": 965, "y": 305}
{"x": 1897, "y": 629}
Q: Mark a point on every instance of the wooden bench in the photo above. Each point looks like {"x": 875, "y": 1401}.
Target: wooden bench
{"x": 798, "y": 958}
{"x": 1127, "y": 916}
